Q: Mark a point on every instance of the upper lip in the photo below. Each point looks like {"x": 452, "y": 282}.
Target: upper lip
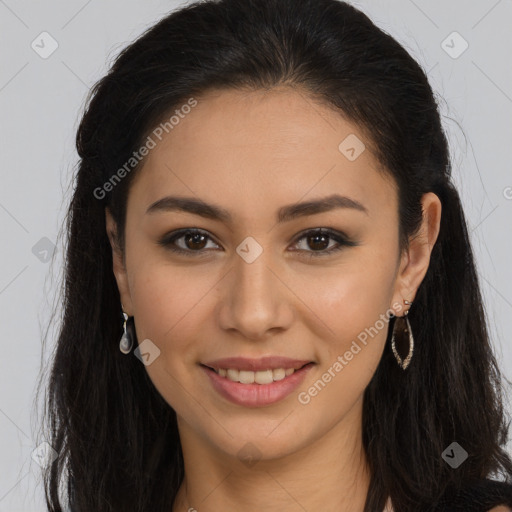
{"x": 263, "y": 363}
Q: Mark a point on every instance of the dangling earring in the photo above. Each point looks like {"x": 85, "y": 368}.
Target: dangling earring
{"x": 402, "y": 332}
{"x": 126, "y": 343}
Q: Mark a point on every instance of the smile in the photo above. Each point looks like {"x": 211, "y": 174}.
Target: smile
{"x": 250, "y": 377}
{"x": 256, "y": 389}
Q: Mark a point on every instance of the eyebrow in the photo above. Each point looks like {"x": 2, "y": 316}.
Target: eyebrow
{"x": 284, "y": 214}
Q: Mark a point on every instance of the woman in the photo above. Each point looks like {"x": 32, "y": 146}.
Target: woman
{"x": 264, "y": 193}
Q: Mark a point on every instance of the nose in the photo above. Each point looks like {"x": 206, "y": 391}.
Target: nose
{"x": 255, "y": 299}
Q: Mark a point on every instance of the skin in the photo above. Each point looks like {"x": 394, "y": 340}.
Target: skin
{"x": 252, "y": 153}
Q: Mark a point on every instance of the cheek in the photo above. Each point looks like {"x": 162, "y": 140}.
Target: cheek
{"x": 169, "y": 304}
{"x": 164, "y": 296}
{"x": 354, "y": 301}
{"x": 356, "y": 309}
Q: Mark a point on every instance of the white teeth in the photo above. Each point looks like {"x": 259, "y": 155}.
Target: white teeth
{"x": 232, "y": 374}
{"x": 260, "y": 377}
{"x": 279, "y": 373}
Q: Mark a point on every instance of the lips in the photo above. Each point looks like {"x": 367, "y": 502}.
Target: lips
{"x": 255, "y": 365}
{"x": 255, "y": 394}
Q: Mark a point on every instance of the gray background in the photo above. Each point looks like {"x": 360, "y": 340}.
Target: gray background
{"x": 40, "y": 104}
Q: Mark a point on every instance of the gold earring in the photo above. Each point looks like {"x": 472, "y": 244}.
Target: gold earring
{"x": 402, "y": 332}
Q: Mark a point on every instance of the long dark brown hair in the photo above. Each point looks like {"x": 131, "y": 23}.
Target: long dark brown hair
{"x": 116, "y": 438}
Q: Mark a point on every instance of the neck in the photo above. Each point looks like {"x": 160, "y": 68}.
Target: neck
{"x": 330, "y": 474}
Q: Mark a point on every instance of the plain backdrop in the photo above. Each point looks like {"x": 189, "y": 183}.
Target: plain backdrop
{"x": 464, "y": 46}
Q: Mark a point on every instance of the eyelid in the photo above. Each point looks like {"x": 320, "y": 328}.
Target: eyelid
{"x": 167, "y": 240}
{"x": 339, "y": 237}
{"x": 334, "y": 233}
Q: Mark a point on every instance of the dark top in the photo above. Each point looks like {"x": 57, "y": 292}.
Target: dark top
{"x": 481, "y": 496}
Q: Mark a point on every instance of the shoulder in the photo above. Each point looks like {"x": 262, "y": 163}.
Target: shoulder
{"x": 501, "y": 508}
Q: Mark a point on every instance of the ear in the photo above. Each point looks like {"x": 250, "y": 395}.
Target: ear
{"x": 416, "y": 259}
{"x": 118, "y": 265}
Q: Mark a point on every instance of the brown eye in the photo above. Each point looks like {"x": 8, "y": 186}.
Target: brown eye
{"x": 318, "y": 242}
{"x": 193, "y": 242}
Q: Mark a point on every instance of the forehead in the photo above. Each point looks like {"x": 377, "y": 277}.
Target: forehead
{"x": 249, "y": 146}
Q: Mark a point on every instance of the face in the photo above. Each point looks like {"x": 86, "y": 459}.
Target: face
{"x": 268, "y": 278}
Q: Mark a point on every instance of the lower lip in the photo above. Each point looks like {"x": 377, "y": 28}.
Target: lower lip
{"x": 256, "y": 395}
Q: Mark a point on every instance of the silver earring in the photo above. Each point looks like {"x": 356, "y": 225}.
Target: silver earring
{"x": 402, "y": 333}
{"x": 126, "y": 342}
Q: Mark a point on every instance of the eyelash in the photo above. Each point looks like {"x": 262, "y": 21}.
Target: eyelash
{"x": 342, "y": 241}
